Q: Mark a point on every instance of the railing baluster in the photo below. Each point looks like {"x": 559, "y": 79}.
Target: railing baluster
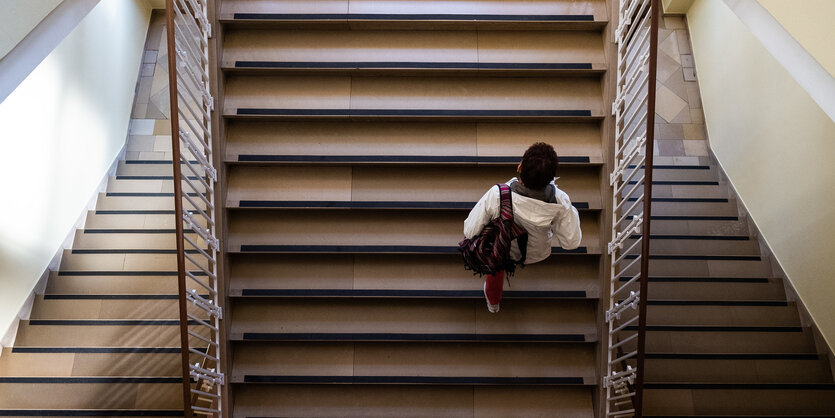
{"x": 634, "y": 112}
{"x": 189, "y": 30}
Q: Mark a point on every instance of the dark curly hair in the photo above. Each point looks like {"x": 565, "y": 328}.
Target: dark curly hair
{"x": 539, "y": 166}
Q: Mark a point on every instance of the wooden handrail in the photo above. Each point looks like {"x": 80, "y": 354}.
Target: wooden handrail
{"x": 178, "y": 206}
{"x": 638, "y": 403}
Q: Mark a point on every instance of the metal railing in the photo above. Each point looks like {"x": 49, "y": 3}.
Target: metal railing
{"x": 188, "y": 30}
{"x": 631, "y": 180}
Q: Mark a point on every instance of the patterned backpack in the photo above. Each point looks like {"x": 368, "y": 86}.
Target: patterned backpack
{"x": 489, "y": 251}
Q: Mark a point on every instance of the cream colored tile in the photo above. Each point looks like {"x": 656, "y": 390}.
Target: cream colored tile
{"x": 687, "y": 61}
{"x": 686, "y": 160}
{"x": 140, "y": 143}
{"x": 670, "y": 47}
{"x": 670, "y": 148}
{"x": 141, "y": 127}
{"x": 676, "y": 83}
{"x": 673, "y": 22}
{"x": 162, "y": 127}
{"x": 694, "y": 131}
{"x": 696, "y": 116}
{"x": 669, "y": 131}
{"x": 149, "y": 57}
{"x": 151, "y": 155}
{"x": 143, "y": 92}
{"x": 146, "y": 70}
{"x": 689, "y": 74}
{"x": 162, "y": 143}
{"x": 666, "y": 67}
{"x": 668, "y": 104}
{"x": 683, "y": 41}
{"x": 694, "y": 98}
{"x": 683, "y": 117}
{"x": 132, "y": 155}
{"x": 139, "y": 110}
{"x": 695, "y": 148}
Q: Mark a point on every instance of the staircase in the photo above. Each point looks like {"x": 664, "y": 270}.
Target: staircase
{"x": 722, "y": 339}
{"x": 103, "y": 339}
{"x": 358, "y": 136}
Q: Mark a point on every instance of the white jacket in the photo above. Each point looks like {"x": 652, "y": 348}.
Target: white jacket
{"x": 542, "y": 220}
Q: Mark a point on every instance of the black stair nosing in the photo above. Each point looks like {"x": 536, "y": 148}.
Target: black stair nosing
{"x": 133, "y": 231}
{"x": 397, "y": 249}
{"x": 278, "y": 204}
{"x": 696, "y": 237}
{"x": 108, "y": 322}
{"x": 366, "y": 336}
{"x": 128, "y": 251}
{"x": 733, "y": 356}
{"x": 98, "y": 350}
{"x": 412, "y": 112}
{"x": 586, "y": 18}
{"x": 698, "y": 257}
{"x": 102, "y": 350}
{"x": 686, "y": 199}
{"x": 719, "y": 328}
{"x": 156, "y": 162}
{"x": 399, "y": 159}
{"x": 124, "y": 273}
{"x": 678, "y": 183}
{"x": 689, "y": 218}
{"x": 89, "y": 379}
{"x": 773, "y": 303}
{"x": 741, "y": 386}
{"x": 704, "y": 279}
{"x": 131, "y": 177}
{"x": 674, "y": 167}
{"x": 414, "y": 65}
{"x": 373, "y": 293}
{"x": 418, "y": 380}
{"x": 112, "y": 296}
{"x": 92, "y": 412}
{"x": 148, "y": 194}
{"x": 133, "y": 212}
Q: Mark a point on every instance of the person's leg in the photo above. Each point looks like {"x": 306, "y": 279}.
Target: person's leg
{"x": 493, "y": 288}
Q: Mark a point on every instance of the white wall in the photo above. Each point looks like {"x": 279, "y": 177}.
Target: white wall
{"x": 776, "y": 145}
{"x": 60, "y": 131}
{"x": 19, "y": 17}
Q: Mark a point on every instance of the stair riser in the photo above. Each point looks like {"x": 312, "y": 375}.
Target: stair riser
{"x": 401, "y": 272}
{"x": 705, "y": 268}
{"x": 409, "y": 139}
{"x": 699, "y": 227}
{"x": 684, "y": 174}
{"x": 123, "y": 262}
{"x": 411, "y": 46}
{"x": 728, "y": 342}
{"x": 118, "y": 285}
{"x": 394, "y": 359}
{"x": 741, "y": 402}
{"x": 738, "y": 371}
{"x": 688, "y": 208}
{"x": 109, "y": 309}
{"x": 410, "y": 401}
{"x": 151, "y": 186}
{"x": 413, "y": 316}
{"x": 147, "y": 203}
{"x": 390, "y": 93}
{"x": 91, "y": 396}
{"x": 132, "y": 169}
{"x": 90, "y": 364}
{"x": 716, "y": 291}
{"x": 144, "y": 241}
{"x": 723, "y": 315}
{"x": 101, "y": 336}
{"x": 701, "y": 247}
{"x": 392, "y": 184}
{"x": 407, "y": 228}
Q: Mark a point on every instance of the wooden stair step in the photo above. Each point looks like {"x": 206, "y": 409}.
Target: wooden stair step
{"x": 411, "y": 400}
{"x": 412, "y": 316}
{"x": 383, "y": 97}
{"x": 422, "y": 142}
{"x": 400, "y": 272}
{"x": 121, "y": 333}
{"x": 743, "y": 399}
{"x": 380, "y": 363}
{"x": 737, "y": 368}
{"x": 390, "y": 184}
{"x": 330, "y": 231}
{"x": 722, "y": 313}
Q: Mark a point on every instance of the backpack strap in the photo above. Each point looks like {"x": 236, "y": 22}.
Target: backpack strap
{"x": 506, "y": 215}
